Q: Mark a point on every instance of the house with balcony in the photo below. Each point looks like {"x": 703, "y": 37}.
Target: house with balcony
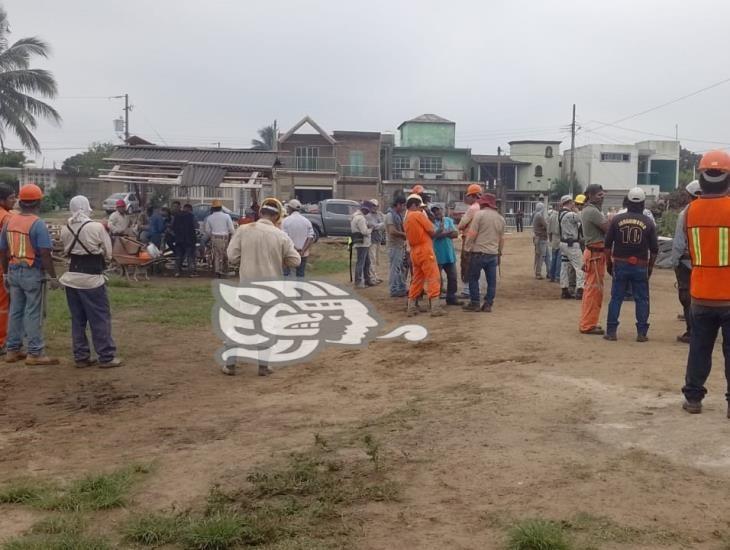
{"x": 426, "y": 153}
{"x": 316, "y": 165}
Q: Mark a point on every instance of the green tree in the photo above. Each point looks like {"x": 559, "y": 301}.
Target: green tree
{"x": 12, "y": 159}
{"x": 19, "y": 110}
{"x": 267, "y": 139}
{"x": 88, "y": 163}
{"x": 688, "y": 161}
{"x": 561, "y": 186}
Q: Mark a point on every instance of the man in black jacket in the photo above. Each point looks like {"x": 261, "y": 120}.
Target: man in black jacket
{"x": 183, "y": 227}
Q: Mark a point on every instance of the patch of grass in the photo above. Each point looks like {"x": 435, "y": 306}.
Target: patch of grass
{"x": 57, "y": 542}
{"x": 118, "y": 282}
{"x": 59, "y": 525}
{"x": 328, "y": 267}
{"x": 597, "y": 529}
{"x": 154, "y": 529}
{"x": 24, "y": 491}
{"x": 538, "y": 534}
{"x": 217, "y": 532}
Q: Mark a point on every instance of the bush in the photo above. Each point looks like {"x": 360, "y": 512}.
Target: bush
{"x": 537, "y": 534}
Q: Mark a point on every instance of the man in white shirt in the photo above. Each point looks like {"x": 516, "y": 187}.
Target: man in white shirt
{"x": 89, "y": 247}
{"x": 376, "y": 220}
{"x": 361, "y": 240}
{"x": 218, "y": 227}
{"x": 119, "y": 221}
{"x": 300, "y": 231}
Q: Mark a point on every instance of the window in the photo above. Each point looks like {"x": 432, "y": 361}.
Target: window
{"x": 431, "y": 165}
{"x": 307, "y": 158}
{"x": 615, "y": 157}
{"x": 341, "y": 209}
{"x": 356, "y": 163}
{"x": 548, "y": 152}
{"x": 400, "y": 164}
{"x": 538, "y": 171}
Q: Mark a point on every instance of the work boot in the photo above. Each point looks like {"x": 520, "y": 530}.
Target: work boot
{"x": 437, "y": 310}
{"x": 15, "y": 356}
{"x": 685, "y": 338}
{"x": 597, "y": 331}
{"x": 471, "y": 306}
{"x": 83, "y": 363}
{"x": 40, "y": 360}
{"x": 566, "y": 295}
{"x": 265, "y": 371}
{"x": 642, "y": 338}
{"x": 693, "y": 407}
{"x": 454, "y": 302}
{"x": 360, "y": 285}
{"x": 110, "y": 364}
{"x": 486, "y": 307}
{"x": 579, "y": 294}
{"x": 422, "y": 308}
{"x": 610, "y": 337}
{"x": 230, "y": 370}
{"x": 412, "y": 310}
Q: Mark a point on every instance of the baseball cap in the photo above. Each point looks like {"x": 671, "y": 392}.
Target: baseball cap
{"x": 636, "y": 195}
{"x": 565, "y": 198}
{"x": 294, "y": 204}
{"x": 121, "y": 203}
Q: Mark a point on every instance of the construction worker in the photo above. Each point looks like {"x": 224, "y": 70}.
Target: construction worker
{"x": 376, "y": 220}
{"x": 554, "y": 245}
{"x": 631, "y": 251}
{"x": 580, "y": 201}
{"x": 7, "y": 203}
{"x": 571, "y": 256}
{"x": 443, "y": 247}
{"x": 682, "y": 263}
{"x": 540, "y": 240}
{"x": 119, "y": 221}
{"x": 419, "y": 233}
{"x": 301, "y": 232}
{"x": 25, "y": 254}
{"x": 419, "y": 190}
{"x": 594, "y": 225}
{"x": 89, "y": 247}
{"x": 707, "y": 222}
{"x": 471, "y": 199}
{"x": 361, "y": 241}
{"x": 484, "y": 241}
{"x": 396, "y": 247}
{"x": 218, "y": 227}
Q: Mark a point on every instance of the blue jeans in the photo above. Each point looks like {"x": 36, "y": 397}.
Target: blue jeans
{"x": 555, "y": 265}
{"x": 90, "y": 306}
{"x": 542, "y": 255}
{"x": 487, "y": 263}
{"x": 299, "y": 270}
{"x": 396, "y": 276}
{"x": 26, "y": 305}
{"x": 362, "y": 265}
{"x": 625, "y": 277}
{"x": 706, "y": 322}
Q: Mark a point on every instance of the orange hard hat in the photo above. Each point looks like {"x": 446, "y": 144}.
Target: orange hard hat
{"x": 474, "y": 189}
{"x": 30, "y": 192}
{"x": 715, "y": 160}
{"x": 417, "y": 189}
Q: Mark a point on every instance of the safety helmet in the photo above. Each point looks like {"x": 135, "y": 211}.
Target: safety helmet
{"x": 693, "y": 188}
{"x": 717, "y": 162}
{"x": 30, "y": 192}
{"x": 580, "y": 199}
{"x": 474, "y": 189}
{"x": 274, "y": 206}
{"x": 414, "y": 196}
{"x": 417, "y": 189}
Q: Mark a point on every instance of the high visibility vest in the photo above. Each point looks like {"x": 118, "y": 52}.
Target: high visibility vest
{"x": 708, "y": 235}
{"x": 20, "y": 249}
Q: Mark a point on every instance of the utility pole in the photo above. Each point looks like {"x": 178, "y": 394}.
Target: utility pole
{"x": 572, "y": 154}
{"x": 276, "y": 136}
{"x": 499, "y": 168}
{"x": 126, "y": 118}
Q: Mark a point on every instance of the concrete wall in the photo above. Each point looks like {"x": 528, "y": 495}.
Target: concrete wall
{"x": 534, "y": 153}
{"x": 369, "y": 146}
{"x": 618, "y": 176}
{"x": 427, "y": 134}
{"x": 326, "y": 150}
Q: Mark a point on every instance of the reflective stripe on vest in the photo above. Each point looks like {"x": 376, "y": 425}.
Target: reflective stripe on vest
{"x": 20, "y": 249}
{"x": 708, "y": 235}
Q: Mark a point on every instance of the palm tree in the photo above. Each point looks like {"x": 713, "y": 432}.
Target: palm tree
{"x": 19, "y": 111}
{"x": 267, "y": 141}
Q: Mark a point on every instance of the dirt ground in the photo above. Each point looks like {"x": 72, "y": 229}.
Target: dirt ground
{"x": 495, "y": 418}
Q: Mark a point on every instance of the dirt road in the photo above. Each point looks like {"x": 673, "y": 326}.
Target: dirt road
{"x": 495, "y": 418}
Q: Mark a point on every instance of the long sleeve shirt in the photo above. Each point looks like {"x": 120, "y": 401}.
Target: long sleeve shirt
{"x": 680, "y": 246}
{"x": 118, "y": 223}
{"x": 93, "y": 239}
{"x": 359, "y": 224}
{"x": 262, "y": 250}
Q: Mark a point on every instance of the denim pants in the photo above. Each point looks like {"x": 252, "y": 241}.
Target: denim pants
{"x": 684, "y": 275}
{"x": 396, "y": 276}
{"x": 185, "y": 252}
{"x": 90, "y": 306}
{"x": 451, "y": 284}
{"x": 299, "y": 270}
{"x": 542, "y": 255}
{"x": 627, "y": 276}
{"x": 706, "y": 322}
{"x": 488, "y": 264}
{"x": 26, "y": 305}
{"x": 362, "y": 266}
{"x": 555, "y": 265}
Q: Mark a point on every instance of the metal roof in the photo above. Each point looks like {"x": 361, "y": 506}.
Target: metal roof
{"x": 242, "y": 157}
{"x": 430, "y": 118}
{"x": 493, "y": 159}
{"x": 205, "y": 176}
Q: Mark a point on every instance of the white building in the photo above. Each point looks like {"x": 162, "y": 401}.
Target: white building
{"x": 653, "y": 165}
{"x": 30, "y": 173}
{"x": 543, "y": 168}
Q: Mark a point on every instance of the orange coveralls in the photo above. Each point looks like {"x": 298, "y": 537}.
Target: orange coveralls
{"x": 418, "y": 229}
{"x": 594, "y": 265}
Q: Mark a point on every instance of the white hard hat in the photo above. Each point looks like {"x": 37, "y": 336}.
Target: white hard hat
{"x": 294, "y": 204}
{"x": 636, "y": 195}
{"x": 416, "y": 197}
{"x": 693, "y": 188}
{"x": 374, "y": 202}
{"x": 565, "y": 198}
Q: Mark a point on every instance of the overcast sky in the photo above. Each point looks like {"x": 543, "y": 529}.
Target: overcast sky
{"x": 215, "y": 71}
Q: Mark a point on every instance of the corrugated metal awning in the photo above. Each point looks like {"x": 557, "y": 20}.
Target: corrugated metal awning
{"x": 194, "y": 175}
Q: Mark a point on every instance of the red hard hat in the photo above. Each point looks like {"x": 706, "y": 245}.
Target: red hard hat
{"x": 121, "y": 203}
{"x": 30, "y": 192}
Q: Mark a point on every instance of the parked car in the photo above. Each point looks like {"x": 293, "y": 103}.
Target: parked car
{"x": 332, "y": 218}
{"x": 130, "y": 199}
{"x": 202, "y": 210}
{"x": 457, "y": 211}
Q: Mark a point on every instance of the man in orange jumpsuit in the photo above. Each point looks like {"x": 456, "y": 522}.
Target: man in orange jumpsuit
{"x": 7, "y": 202}
{"x": 419, "y": 234}
{"x": 595, "y": 226}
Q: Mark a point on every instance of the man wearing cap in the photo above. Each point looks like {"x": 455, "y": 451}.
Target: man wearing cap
{"x": 218, "y": 227}
{"x": 632, "y": 249}
{"x": 443, "y": 247}
{"x": 570, "y": 252}
{"x": 682, "y": 263}
{"x": 25, "y": 254}
{"x": 554, "y": 245}
{"x": 119, "y": 221}
{"x": 471, "y": 199}
{"x": 426, "y": 276}
{"x": 594, "y": 225}
{"x": 540, "y": 240}
{"x": 301, "y": 233}
{"x": 484, "y": 241}
{"x": 376, "y": 220}
{"x": 396, "y": 247}
{"x": 361, "y": 241}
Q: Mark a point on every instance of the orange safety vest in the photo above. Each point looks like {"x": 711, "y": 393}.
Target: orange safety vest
{"x": 708, "y": 235}
{"x": 20, "y": 249}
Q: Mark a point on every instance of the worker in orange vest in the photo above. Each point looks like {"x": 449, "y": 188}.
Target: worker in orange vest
{"x": 707, "y": 224}
{"x": 7, "y": 202}
{"x": 25, "y": 254}
{"x": 595, "y": 226}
